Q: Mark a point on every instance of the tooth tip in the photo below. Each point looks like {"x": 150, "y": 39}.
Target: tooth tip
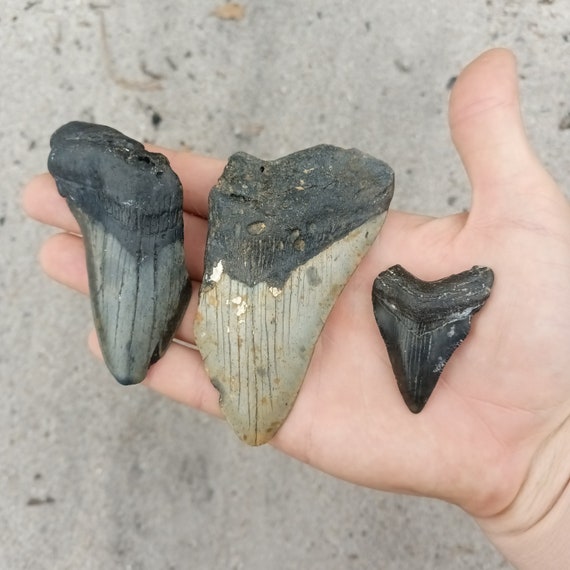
{"x": 125, "y": 367}
{"x": 415, "y": 407}
{"x": 129, "y": 381}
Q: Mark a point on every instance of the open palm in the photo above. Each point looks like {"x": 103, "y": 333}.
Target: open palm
{"x": 503, "y": 399}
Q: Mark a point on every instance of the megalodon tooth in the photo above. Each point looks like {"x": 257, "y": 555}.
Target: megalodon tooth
{"x": 423, "y": 322}
{"x": 128, "y": 203}
{"x": 284, "y": 237}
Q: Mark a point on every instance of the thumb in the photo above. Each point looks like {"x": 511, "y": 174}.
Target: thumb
{"x": 486, "y": 127}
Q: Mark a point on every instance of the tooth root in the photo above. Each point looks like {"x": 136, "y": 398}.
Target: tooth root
{"x": 284, "y": 237}
{"x": 422, "y": 323}
{"x": 128, "y": 204}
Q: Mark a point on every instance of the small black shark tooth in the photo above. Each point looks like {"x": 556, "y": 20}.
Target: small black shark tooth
{"x": 128, "y": 203}
{"x": 284, "y": 238}
{"x": 422, "y": 323}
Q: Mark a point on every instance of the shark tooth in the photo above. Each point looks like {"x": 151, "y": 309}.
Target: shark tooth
{"x": 128, "y": 203}
{"x": 284, "y": 237}
{"x": 423, "y": 322}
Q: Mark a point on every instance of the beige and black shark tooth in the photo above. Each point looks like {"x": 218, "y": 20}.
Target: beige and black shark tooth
{"x": 128, "y": 203}
{"x": 423, "y": 322}
{"x": 284, "y": 237}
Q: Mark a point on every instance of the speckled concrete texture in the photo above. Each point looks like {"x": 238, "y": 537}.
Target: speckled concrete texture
{"x": 93, "y": 475}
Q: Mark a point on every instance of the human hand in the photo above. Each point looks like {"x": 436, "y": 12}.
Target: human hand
{"x": 493, "y": 436}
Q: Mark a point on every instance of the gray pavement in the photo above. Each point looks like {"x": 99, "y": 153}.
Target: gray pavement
{"x": 93, "y": 475}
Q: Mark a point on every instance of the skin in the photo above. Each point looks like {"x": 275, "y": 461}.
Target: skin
{"x": 494, "y": 437}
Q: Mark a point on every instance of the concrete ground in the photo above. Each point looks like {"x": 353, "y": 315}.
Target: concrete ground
{"x": 95, "y": 476}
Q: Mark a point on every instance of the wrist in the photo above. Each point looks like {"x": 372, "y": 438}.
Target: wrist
{"x": 532, "y": 531}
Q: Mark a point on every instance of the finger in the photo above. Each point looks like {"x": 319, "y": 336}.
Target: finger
{"x": 487, "y": 129}
{"x": 195, "y": 233}
{"x": 42, "y": 202}
{"x": 63, "y": 258}
{"x": 54, "y": 250}
{"x": 179, "y": 375}
{"x": 421, "y": 244}
{"x": 198, "y": 175}
{"x": 185, "y": 331}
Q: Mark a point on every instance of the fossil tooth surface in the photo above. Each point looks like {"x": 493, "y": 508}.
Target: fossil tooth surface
{"x": 128, "y": 203}
{"x": 423, "y": 322}
{"x": 284, "y": 237}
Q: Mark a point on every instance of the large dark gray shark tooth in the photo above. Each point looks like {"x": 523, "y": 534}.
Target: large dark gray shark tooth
{"x": 284, "y": 237}
{"x": 128, "y": 203}
{"x": 422, "y": 323}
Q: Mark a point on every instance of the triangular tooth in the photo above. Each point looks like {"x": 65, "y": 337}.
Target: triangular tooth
{"x": 423, "y": 322}
{"x": 284, "y": 238}
{"x": 128, "y": 203}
